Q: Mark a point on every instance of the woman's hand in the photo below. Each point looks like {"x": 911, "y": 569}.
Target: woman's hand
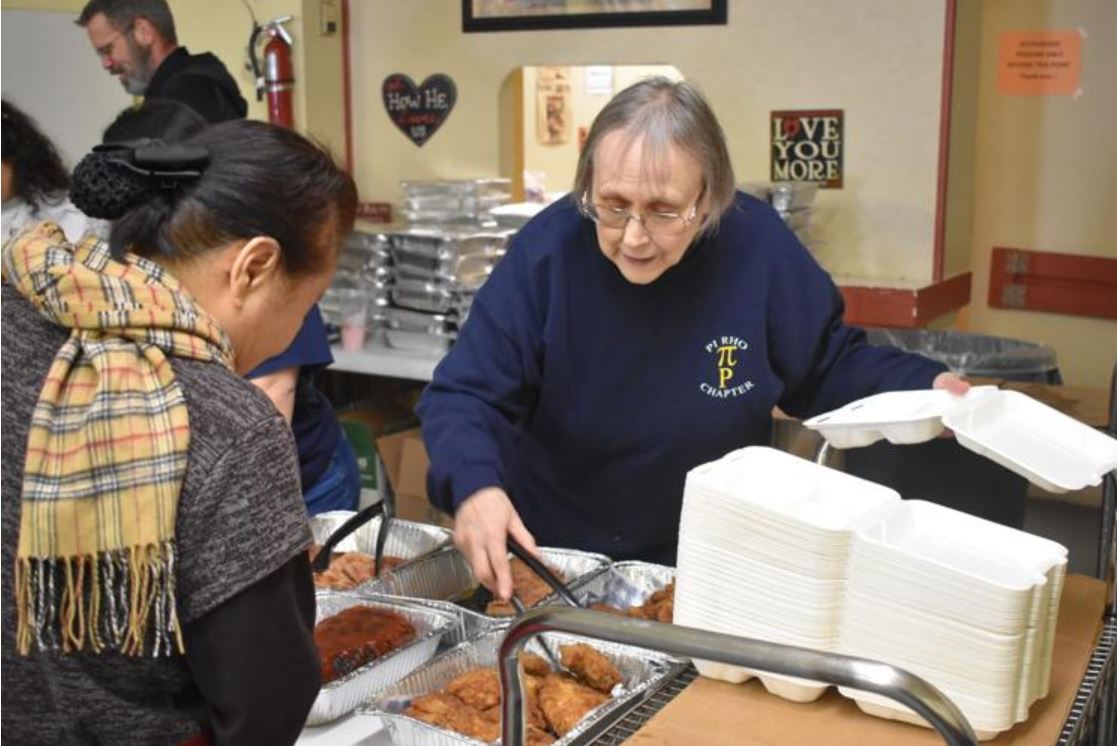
{"x": 952, "y": 382}
{"x": 481, "y": 526}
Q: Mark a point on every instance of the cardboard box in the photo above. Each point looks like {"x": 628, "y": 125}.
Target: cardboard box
{"x": 405, "y": 460}
{"x": 362, "y": 426}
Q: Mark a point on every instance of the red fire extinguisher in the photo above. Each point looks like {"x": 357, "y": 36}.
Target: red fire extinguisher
{"x": 276, "y": 77}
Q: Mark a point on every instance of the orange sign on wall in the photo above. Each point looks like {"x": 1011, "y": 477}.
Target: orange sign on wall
{"x": 1039, "y": 63}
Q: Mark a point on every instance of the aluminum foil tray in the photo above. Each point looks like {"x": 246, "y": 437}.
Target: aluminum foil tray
{"x": 441, "y": 577}
{"x": 406, "y": 539}
{"x": 626, "y": 584}
{"x": 435, "y": 344}
{"x": 341, "y": 696}
{"x": 483, "y": 188}
{"x": 643, "y": 672}
{"x": 406, "y": 320}
{"x": 420, "y": 295}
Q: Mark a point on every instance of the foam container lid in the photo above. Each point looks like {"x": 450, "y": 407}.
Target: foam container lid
{"x": 1048, "y": 448}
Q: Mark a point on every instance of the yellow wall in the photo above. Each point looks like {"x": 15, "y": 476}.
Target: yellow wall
{"x": 1047, "y": 178}
{"x": 879, "y": 60}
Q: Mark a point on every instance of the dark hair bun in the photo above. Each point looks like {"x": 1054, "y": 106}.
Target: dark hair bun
{"x": 103, "y": 188}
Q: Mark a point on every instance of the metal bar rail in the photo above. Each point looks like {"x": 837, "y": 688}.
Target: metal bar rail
{"x": 841, "y": 670}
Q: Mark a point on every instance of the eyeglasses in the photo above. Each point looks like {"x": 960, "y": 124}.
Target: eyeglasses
{"x": 655, "y": 223}
{"x": 105, "y": 49}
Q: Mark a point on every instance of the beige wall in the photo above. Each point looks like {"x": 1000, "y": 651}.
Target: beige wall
{"x": 68, "y": 6}
{"x": 1047, "y": 178}
{"x": 558, "y": 162}
{"x": 879, "y": 60}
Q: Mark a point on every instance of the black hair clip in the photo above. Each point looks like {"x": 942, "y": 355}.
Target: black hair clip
{"x": 169, "y": 164}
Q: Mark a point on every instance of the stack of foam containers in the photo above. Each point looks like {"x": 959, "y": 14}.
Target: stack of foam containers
{"x": 967, "y": 604}
{"x": 777, "y": 548}
{"x": 763, "y": 549}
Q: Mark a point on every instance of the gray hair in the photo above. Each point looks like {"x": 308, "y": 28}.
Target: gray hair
{"x": 123, "y": 13}
{"x": 666, "y": 112}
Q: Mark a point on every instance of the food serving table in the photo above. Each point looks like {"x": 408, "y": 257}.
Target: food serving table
{"x": 693, "y": 710}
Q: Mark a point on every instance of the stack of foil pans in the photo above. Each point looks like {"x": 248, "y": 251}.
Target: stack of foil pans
{"x": 447, "y": 201}
{"x": 362, "y": 272}
{"x": 436, "y": 272}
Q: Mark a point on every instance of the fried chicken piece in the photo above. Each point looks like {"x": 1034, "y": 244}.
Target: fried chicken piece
{"x": 565, "y": 701}
{"x": 659, "y": 607}
{"x": 526, "y": 585}
{"x": 479, "y": 688}
{"x": 348, "y": 570}
{"x": 447, "y": 711}
{"x": 532, "y": 684}
{"x": 497, "y": 607}
{"x": 535, "y": 717}
{"x": 591, "y": 667}
{"x": 534, "y": 665}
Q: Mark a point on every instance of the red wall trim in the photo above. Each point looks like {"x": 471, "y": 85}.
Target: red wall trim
{"x": 347, "y": 85}
{"x": 939, "y": 259}
{"x": 905, "y": 308}
{"x": 1072, "y": 284}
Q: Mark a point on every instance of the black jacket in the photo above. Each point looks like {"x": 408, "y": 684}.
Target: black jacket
{"x": 200, "y": 81}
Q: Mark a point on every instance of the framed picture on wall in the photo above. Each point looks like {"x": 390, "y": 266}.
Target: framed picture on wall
{"x": 534, "y": 15}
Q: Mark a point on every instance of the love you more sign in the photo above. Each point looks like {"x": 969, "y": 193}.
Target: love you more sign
{"x": 419, "y": 110}
{"x": 808, "y": 146}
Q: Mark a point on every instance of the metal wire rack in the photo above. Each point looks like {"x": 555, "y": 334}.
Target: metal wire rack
{"x": 1091, "y": 718}
{"x": 623, "y": 729}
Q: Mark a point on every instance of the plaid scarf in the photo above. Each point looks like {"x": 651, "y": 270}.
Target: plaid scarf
{"x": 107, "y": 448}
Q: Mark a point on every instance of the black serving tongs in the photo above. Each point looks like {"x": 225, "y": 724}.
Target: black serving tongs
{"x": 543, "y": 572}
{"x": 386, "y": 508}
{"x": 354, "y": 522}
{"x": 388, "y": 502}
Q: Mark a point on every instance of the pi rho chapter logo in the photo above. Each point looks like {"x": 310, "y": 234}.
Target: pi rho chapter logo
{"x": 726, "y": 355}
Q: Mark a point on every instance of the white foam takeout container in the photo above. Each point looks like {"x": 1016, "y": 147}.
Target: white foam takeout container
{"x": 1048, "y": 448}
{"x": 968, "y": 604}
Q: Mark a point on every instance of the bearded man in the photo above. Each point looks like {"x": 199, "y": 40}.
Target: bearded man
{"x": 136, "y": 41}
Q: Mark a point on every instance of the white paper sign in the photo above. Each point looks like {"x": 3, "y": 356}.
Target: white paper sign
{"x": 599, "y": 80}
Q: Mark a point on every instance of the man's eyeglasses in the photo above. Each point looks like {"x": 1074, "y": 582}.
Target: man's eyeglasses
{"x": 105, "y": 49}
{"x": 656, "y": 223}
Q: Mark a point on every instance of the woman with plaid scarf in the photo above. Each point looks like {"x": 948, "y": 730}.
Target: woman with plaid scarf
{"x": 156, "y": 587}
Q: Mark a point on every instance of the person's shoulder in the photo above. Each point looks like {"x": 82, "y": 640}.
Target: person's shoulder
{"x": 224, "y": 408}
{"x": 552, "y": 227}
{"x": 545, "y": 240}
{"x": 753, "y": 216}
{"x": 751, "y": 227}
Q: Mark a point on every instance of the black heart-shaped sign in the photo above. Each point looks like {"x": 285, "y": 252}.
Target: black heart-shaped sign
{"x": 419, "y": 110}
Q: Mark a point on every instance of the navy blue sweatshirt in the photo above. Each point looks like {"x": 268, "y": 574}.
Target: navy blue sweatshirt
{"x": 588, "y": 398}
